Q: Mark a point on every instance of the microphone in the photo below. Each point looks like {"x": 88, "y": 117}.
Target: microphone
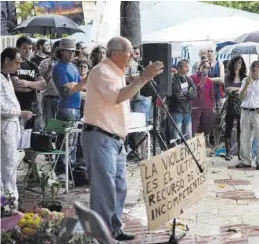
{"x": 147, "y": 90}
{"x": 141, "y": 70}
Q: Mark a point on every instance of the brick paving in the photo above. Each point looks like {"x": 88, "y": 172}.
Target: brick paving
{"x": 228, "y": 214}
{"x": 232, "y": 182}
{"x": 236, "y": 195}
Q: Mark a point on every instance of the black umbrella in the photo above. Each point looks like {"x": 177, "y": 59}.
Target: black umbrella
{"x": 248, "y": 37}
{"x": 48, "y": 24}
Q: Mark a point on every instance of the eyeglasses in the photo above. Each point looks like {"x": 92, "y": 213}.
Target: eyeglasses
{"x": 125, "y": 51}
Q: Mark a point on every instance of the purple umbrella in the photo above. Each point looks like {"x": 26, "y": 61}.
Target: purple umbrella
{"x": 248, "y": 37}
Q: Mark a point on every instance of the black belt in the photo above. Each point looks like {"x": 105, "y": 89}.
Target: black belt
{"x": 50, "y": 96}
{"x": 88, "y": 127}
{"x": 251, "y": 109}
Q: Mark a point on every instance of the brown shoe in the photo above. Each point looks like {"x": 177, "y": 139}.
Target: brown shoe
{"x": 242, "y": 165}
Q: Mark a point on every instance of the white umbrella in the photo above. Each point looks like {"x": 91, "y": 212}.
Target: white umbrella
{"x": 245, "y": 48}
{"x": 240, "y": 48}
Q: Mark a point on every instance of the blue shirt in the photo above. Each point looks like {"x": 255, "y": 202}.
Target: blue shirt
{"x": 63, "y": 73}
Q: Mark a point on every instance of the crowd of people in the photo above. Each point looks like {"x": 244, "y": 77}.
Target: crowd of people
{"x": 214, "y": 100}
{"x": 67, "y": 82}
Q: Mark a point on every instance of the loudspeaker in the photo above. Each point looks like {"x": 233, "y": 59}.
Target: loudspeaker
{"x": 160, "y": 52}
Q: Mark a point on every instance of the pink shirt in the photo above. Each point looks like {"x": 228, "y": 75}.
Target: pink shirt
{"x": 103, "y": 86}
{"x": 205, "y": 93}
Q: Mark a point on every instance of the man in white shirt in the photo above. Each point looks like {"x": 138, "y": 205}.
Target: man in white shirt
{"x": 249, "y": 94}
{"x": 10, "y": 126}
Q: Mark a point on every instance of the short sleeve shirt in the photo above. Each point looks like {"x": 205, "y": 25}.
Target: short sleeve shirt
{"x": 104, "y": 83}
{"x": 30, "y": 72}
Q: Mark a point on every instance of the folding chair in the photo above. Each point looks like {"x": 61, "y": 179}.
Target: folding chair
{"x": 93, "y": 224}
{"x": 56, "y": 126}
{"x": 67, "y": 227}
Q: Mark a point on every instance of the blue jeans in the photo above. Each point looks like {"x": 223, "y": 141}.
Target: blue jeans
{"x": 67, "y": 114}
{"x": 143, "y": 105}
{"x": 49, "y": 109}
{"x": 183, "y": 123}
{"x": 254, "y": 147}
{"x": 105, "y": 159}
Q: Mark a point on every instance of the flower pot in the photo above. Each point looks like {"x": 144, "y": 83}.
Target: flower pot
{"x": 54, "y": 206}
{"x": 8, "y": 223}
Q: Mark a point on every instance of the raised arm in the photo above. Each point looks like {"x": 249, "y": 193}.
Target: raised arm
{"x": 220, "y": 79}
{"x": 244, "y": 87}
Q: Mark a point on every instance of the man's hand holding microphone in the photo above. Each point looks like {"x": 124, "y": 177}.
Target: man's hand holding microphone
{"x": 152, "y": 70}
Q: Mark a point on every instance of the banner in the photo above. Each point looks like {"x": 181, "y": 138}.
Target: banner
{"x": 71, "y": 9}
{"x": 171, "y": 181}
{"x": 106, "y": 23}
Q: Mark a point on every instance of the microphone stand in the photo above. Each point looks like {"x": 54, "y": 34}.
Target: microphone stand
{"x": 173, "y": 238}
{"x": 173, "y": 122}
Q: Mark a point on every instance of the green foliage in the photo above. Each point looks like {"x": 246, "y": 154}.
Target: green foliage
{"x": 25, "y": 10}
{"x": 250, "y": 6}
{"x": 44, "y": 178}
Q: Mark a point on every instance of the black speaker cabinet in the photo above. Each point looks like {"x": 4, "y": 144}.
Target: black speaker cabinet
{"x": 162, "y": 52}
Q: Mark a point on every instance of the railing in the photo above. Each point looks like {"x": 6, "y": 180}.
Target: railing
{"x": 8, "y": 41}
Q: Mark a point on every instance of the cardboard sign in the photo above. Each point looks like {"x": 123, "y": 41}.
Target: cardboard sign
{"x": 171, "y": 181}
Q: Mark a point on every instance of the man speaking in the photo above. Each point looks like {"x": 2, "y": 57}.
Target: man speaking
{"x": 106, "y": 120}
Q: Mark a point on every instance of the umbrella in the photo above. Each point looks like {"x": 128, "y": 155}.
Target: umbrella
{"x": 248, "y": 37}
{"x": 241, "y": 48}
{"x": 48, "y": 24}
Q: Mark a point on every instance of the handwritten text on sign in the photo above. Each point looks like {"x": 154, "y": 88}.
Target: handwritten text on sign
{"x": 172, "y": 181}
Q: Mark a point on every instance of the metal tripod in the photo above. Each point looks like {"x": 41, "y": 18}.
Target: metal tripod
{"x": 173, "y": 238}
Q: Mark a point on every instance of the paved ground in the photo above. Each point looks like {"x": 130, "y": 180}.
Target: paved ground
{"x": 229, "y": 213}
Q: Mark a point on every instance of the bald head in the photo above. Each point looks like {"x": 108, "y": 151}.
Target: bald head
{"x": 118, "y": 44}
{"x": 211, "y": 52}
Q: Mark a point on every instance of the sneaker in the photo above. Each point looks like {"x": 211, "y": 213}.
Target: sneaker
{"x": 242, "y": 165}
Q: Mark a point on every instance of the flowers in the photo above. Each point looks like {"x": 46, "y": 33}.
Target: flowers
{"x": 8, "y": 203}
{"x": 39, "y": 227}
{"x": 29, "y": 224}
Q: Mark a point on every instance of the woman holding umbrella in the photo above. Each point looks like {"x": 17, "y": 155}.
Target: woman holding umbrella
{"x": 236, "y": 73}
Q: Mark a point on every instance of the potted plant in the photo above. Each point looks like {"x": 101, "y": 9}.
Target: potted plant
{"x": 49, "y": 182}
{"x": 54, "y": 186}
{"x": 44, "y": 178}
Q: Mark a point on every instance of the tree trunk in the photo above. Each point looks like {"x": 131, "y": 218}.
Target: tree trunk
{"x": 130, "y": 22}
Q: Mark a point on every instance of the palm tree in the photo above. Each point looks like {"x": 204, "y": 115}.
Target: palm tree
{"x": 130, "y": 22}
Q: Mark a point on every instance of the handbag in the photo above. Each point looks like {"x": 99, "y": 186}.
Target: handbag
{"x": 41, "y": 142}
